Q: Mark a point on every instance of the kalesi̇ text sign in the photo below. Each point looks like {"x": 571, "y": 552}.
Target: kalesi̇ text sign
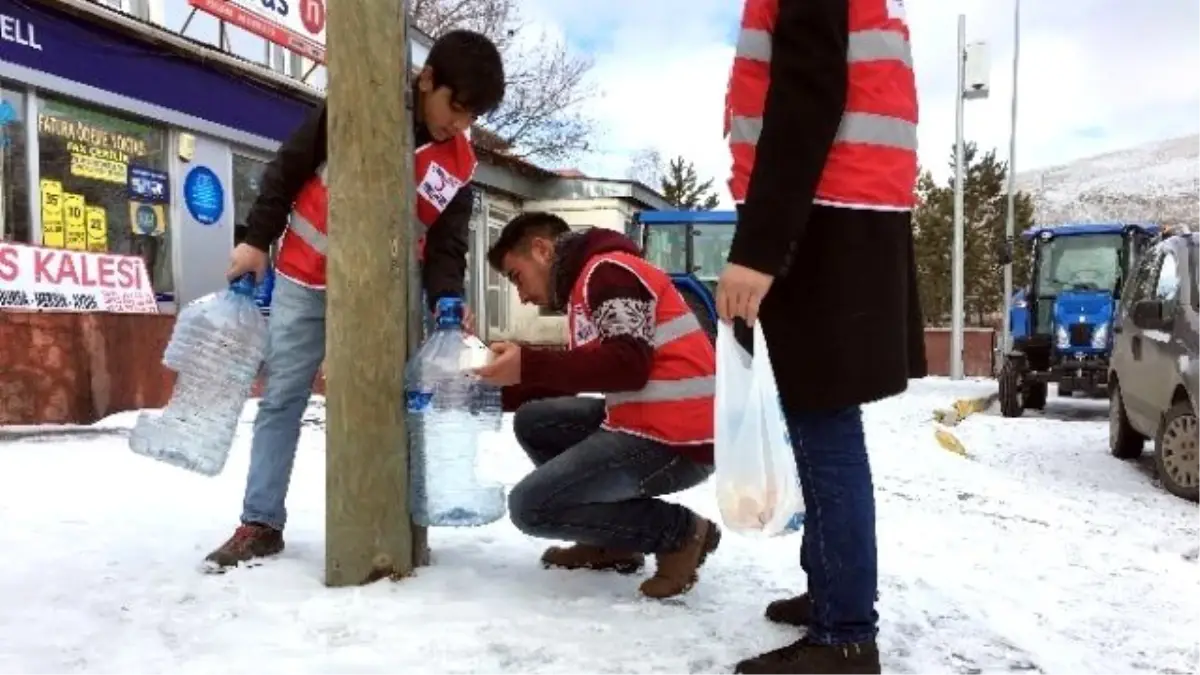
{"x": 35, "y": 278}
{"x": 298, "y": 25}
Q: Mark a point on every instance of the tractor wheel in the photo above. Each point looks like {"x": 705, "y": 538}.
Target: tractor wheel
{"x": 707, "y": 324}
{"x": 1124, "y": 442}
{"x": 1011, "y": 404}
{"x": 1176, "y": 452}
{"x": 1035, "y": 396}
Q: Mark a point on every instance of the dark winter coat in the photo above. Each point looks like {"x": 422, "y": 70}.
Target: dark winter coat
{"x": 843, "y": 320}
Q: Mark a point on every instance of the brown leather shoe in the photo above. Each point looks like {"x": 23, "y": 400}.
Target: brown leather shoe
{"x": 676, "y": 573}
{"x": 248, "y": 542}
{"x": 585, "y": 557}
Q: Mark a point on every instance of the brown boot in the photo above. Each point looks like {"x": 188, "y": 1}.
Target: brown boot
{"x": 795, "y": 611}
{"x": 248, "y": 542}
{"x": 676, "y": 573}
{"x": 585, "y": 557}
{"x": 803, "y": 658}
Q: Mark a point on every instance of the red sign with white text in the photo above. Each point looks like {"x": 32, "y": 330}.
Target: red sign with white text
{"x": 297, "y": 25}
{"x": 50, "y": 279}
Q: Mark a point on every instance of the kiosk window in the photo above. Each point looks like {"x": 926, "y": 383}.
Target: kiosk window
{"x": 103, "y": 185}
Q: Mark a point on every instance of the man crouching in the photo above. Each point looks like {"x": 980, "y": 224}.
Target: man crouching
{"x": 601, "y": 463}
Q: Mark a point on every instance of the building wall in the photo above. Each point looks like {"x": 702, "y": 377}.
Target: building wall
{"x": 611, "y": 214}
{"x": 525, "y": 323}
{"x": 78, "y": 118}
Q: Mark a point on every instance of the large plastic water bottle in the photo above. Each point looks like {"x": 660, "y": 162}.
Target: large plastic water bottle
{"x": 448, "y": 409}
{"x": 215, "y": 350}
{"x": 264, "y": 290}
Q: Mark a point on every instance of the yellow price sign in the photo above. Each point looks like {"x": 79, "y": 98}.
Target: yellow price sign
{"x": 75, "y": 221}
{"x": 97, "y": 229}
{"x": 52, "y": 214}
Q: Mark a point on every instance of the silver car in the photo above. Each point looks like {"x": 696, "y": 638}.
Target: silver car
{"x": 1153, "y": 372}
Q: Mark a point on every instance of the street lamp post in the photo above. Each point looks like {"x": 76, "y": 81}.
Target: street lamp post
{"x": 972, "y": 85}
{"x": 1010, "y": 217}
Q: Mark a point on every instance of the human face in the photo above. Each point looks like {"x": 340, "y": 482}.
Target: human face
{"x": 529, "y": 271}
{"x": 442, "y": 115}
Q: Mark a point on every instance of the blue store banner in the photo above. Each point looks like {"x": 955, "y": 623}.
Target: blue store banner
{"x": 43, "y": 39}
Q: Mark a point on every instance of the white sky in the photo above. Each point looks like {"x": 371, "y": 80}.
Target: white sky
{"x": 1096, "y": 75}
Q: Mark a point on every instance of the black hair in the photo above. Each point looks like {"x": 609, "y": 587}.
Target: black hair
{"x": 469, "y": 64}
{"x": 520, "y": 231}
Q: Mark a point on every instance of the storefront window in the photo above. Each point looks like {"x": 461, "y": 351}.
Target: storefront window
{"x": 14, "y": 184}
{"x": 89, "y": 199}
{"x": 247, "y": 172}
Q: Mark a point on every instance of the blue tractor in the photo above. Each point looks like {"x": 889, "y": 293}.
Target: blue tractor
{"x": 691, "y": 246}
{"x": 1062, "y": 321}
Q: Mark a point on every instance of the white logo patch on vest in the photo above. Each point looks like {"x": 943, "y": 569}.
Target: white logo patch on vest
{"x": 584, "y": 328}
{"x": 438, "y": 186}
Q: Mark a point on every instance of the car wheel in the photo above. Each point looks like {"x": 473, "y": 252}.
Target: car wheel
{"x": 1176, "y": 452}
{"x": 1123, "y": 441}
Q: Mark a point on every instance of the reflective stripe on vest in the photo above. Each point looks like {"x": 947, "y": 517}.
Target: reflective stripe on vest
{"x": 309, "y": 233}
{"x": 675, "y": 405}
{"x": 444, "y": 168}
{"x": 885, "y": 128}
{"x": 657, "y": 391}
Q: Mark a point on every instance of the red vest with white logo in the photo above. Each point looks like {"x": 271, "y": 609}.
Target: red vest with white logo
{"x": 676, "y": 405}
{"x": 442, "y": 169}
{"x": 873, "y": 162}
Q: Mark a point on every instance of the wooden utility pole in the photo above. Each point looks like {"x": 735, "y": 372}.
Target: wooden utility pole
{"x": 368, "y": 532}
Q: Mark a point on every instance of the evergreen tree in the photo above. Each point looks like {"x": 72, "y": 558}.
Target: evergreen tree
{"x": 984, "y": 212}
{"x": 682, "y": 187}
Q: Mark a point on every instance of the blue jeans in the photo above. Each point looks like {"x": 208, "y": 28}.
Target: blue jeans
{"x": 294, "y": 356}
{"x": 837, "y": 550}
{"x": 598, "y": 487}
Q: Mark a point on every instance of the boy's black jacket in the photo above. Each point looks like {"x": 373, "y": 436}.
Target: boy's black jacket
{"x": 298, "y": 159}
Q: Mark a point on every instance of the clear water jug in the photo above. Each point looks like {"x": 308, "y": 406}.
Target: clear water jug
{"x": 216, "y": 348}
{"x": 448, "y": 409}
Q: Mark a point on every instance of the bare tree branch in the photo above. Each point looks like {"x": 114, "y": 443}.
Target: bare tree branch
{"x": 541, "y": 117}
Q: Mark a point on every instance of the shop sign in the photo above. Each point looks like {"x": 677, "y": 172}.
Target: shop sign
{"x": 18, "y": 32}
{"x": 96, "y": 153}
{"x": 148, "y": 185}
{"x": 203, "y": 195}
{"x": 35, "y": 278}
{"x": 297, "y": 25}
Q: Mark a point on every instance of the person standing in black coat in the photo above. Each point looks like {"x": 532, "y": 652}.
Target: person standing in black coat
{"x": 821, "y": 117}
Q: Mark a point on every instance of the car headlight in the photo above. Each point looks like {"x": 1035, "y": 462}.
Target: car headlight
{"x": 1100, "y": 337}
{"x": 1061, "y": 338}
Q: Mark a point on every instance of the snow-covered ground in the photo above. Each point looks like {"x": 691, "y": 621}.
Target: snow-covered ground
{"x": 1040, "y": 552}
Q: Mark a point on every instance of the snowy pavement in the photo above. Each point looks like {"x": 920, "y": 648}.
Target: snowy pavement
{"x": 1039, "y": 552}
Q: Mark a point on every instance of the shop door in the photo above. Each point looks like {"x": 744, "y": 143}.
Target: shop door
{"x": 203, "y": 214}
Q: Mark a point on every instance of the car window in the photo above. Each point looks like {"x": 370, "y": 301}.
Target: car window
{"x": 1167, "y": 287}
{"x": 1191, "y": 276}
{"x": 1144, "y": 276}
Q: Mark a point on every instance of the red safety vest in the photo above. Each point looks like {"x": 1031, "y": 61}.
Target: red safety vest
{"x": 873, "y": 162}
{"x": 443, "y": 169}
{"x": 676, "y": 405}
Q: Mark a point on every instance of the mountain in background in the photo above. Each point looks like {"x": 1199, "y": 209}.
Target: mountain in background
{"x": 1158, "y": 182}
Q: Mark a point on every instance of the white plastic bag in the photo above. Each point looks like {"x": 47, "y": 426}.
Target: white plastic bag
{"x": 758, "y": 488}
